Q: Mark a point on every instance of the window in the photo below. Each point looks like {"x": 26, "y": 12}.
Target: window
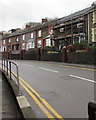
{"x": 61, "y": 29}
{"x": 27, "y": 46}
{"x": 79, "y": 25}
{"x": 39, "y": 43}
{"x": 76, "y": 39}
{"x": 4, "y": 48}
{"x": 48, "y": 42}
{"x": 3, "y": 41}
{"x": 9, "y": 47}
{"x": 39, "y": 33}
{"x": 23, "y": 46}
{"x": 9, "y": 40}
{"x": 31, "y": 35}
{"x": 15, "y": 47}
{"x": 31, "y": 45}
{"x": 82, "y": 38}
{"x": 23, "y": 37}
{"x": 17, "y": 39}
{"x": 51, "y": 31}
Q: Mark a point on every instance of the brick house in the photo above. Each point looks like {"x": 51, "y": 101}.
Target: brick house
{"x": 93, "y": 31}
{"x": 44, "y": 34}
{"x": 76, "y": 27}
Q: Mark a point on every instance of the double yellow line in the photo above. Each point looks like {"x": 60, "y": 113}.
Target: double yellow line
{"x": 37, "y": 98}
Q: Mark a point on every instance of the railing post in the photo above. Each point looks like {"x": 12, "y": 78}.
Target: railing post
{"x": 10, "y": 69}
{"x": 7, "y": 66}
{"x": 4, "y": 65}
{"x": 18, "y": 80}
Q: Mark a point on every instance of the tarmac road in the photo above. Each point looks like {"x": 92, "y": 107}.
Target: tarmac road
{"x": 56, "y": 90}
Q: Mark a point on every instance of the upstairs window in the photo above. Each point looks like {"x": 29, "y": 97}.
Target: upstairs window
{"x": 31, "y": 35}
{"x": 61, "y": 29}
{"x": 4, "y": 42}
{"x": 9, "y": 40}
{"x": 23, "y": 37}
{"x": 79, "y": 25}
{"x": 39, "y": 33}
{"x": 17, "y": 39}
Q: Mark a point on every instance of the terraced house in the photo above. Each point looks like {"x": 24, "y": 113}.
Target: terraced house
{"x": 20, "y": 41}
{"x": 77, "y": 27}
{"x": 93, "y": 34}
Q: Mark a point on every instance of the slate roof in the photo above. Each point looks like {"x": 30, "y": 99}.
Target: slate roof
{"x": 76, "y": 14}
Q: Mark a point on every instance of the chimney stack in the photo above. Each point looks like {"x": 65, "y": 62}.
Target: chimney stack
{"x": 44, "y": 20}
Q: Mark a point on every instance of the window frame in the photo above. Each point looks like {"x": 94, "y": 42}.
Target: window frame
{"x": 39, "y": 33}
{"x": 23, "y": 37}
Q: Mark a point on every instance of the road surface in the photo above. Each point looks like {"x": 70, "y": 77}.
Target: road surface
{"x": 56, "y": 90}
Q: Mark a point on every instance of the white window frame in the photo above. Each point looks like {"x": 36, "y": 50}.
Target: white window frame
{"x": 4, "y": 41}
{"x": 17, "y": 39}
{"x": 31, "y": 45}
{"x": 9, "y": 40}
{"x": 32, "y": 35}
{"x": 4, "y": 47}
{"x": 39, "y": 33}
{"x": 39, "y": 43}
{"x": 61, "y": 29}
{"x": 79, "y": 25}
{"x": 27, "y": 46}
{"x": 23, "y": 37}
{"x": 23, "y": 46}
{"x": 48, "y": 42}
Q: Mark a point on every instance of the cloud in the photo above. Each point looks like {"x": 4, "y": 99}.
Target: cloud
{"x": 14, "y": 13}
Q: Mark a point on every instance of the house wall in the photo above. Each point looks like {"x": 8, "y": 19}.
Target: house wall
{"x": 93, "y": 29}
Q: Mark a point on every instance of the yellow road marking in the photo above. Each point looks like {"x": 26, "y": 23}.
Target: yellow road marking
{"x": 38, "y": 103}
{"x": 44, "y": 101}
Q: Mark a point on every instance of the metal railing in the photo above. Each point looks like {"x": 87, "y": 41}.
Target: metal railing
{"x": 7, "y": 68}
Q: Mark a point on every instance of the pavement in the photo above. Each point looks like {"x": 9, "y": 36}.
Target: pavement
{"x": 8, "y": 103}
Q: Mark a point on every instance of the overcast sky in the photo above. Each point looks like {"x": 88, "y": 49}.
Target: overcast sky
{"x": 14, "y": 13}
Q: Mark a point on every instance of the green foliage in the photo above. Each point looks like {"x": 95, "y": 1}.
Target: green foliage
{"x": 84, "y": 45}
{"x": 47, "y": 48}
{"x": 91, "y": 48}
{"x": 80, "y": 46}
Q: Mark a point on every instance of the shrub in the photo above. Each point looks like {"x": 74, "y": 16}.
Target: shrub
{"x": 91, "y": 48}
{"x": 80, "y": 46}
{"x": 47, "y": 48}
